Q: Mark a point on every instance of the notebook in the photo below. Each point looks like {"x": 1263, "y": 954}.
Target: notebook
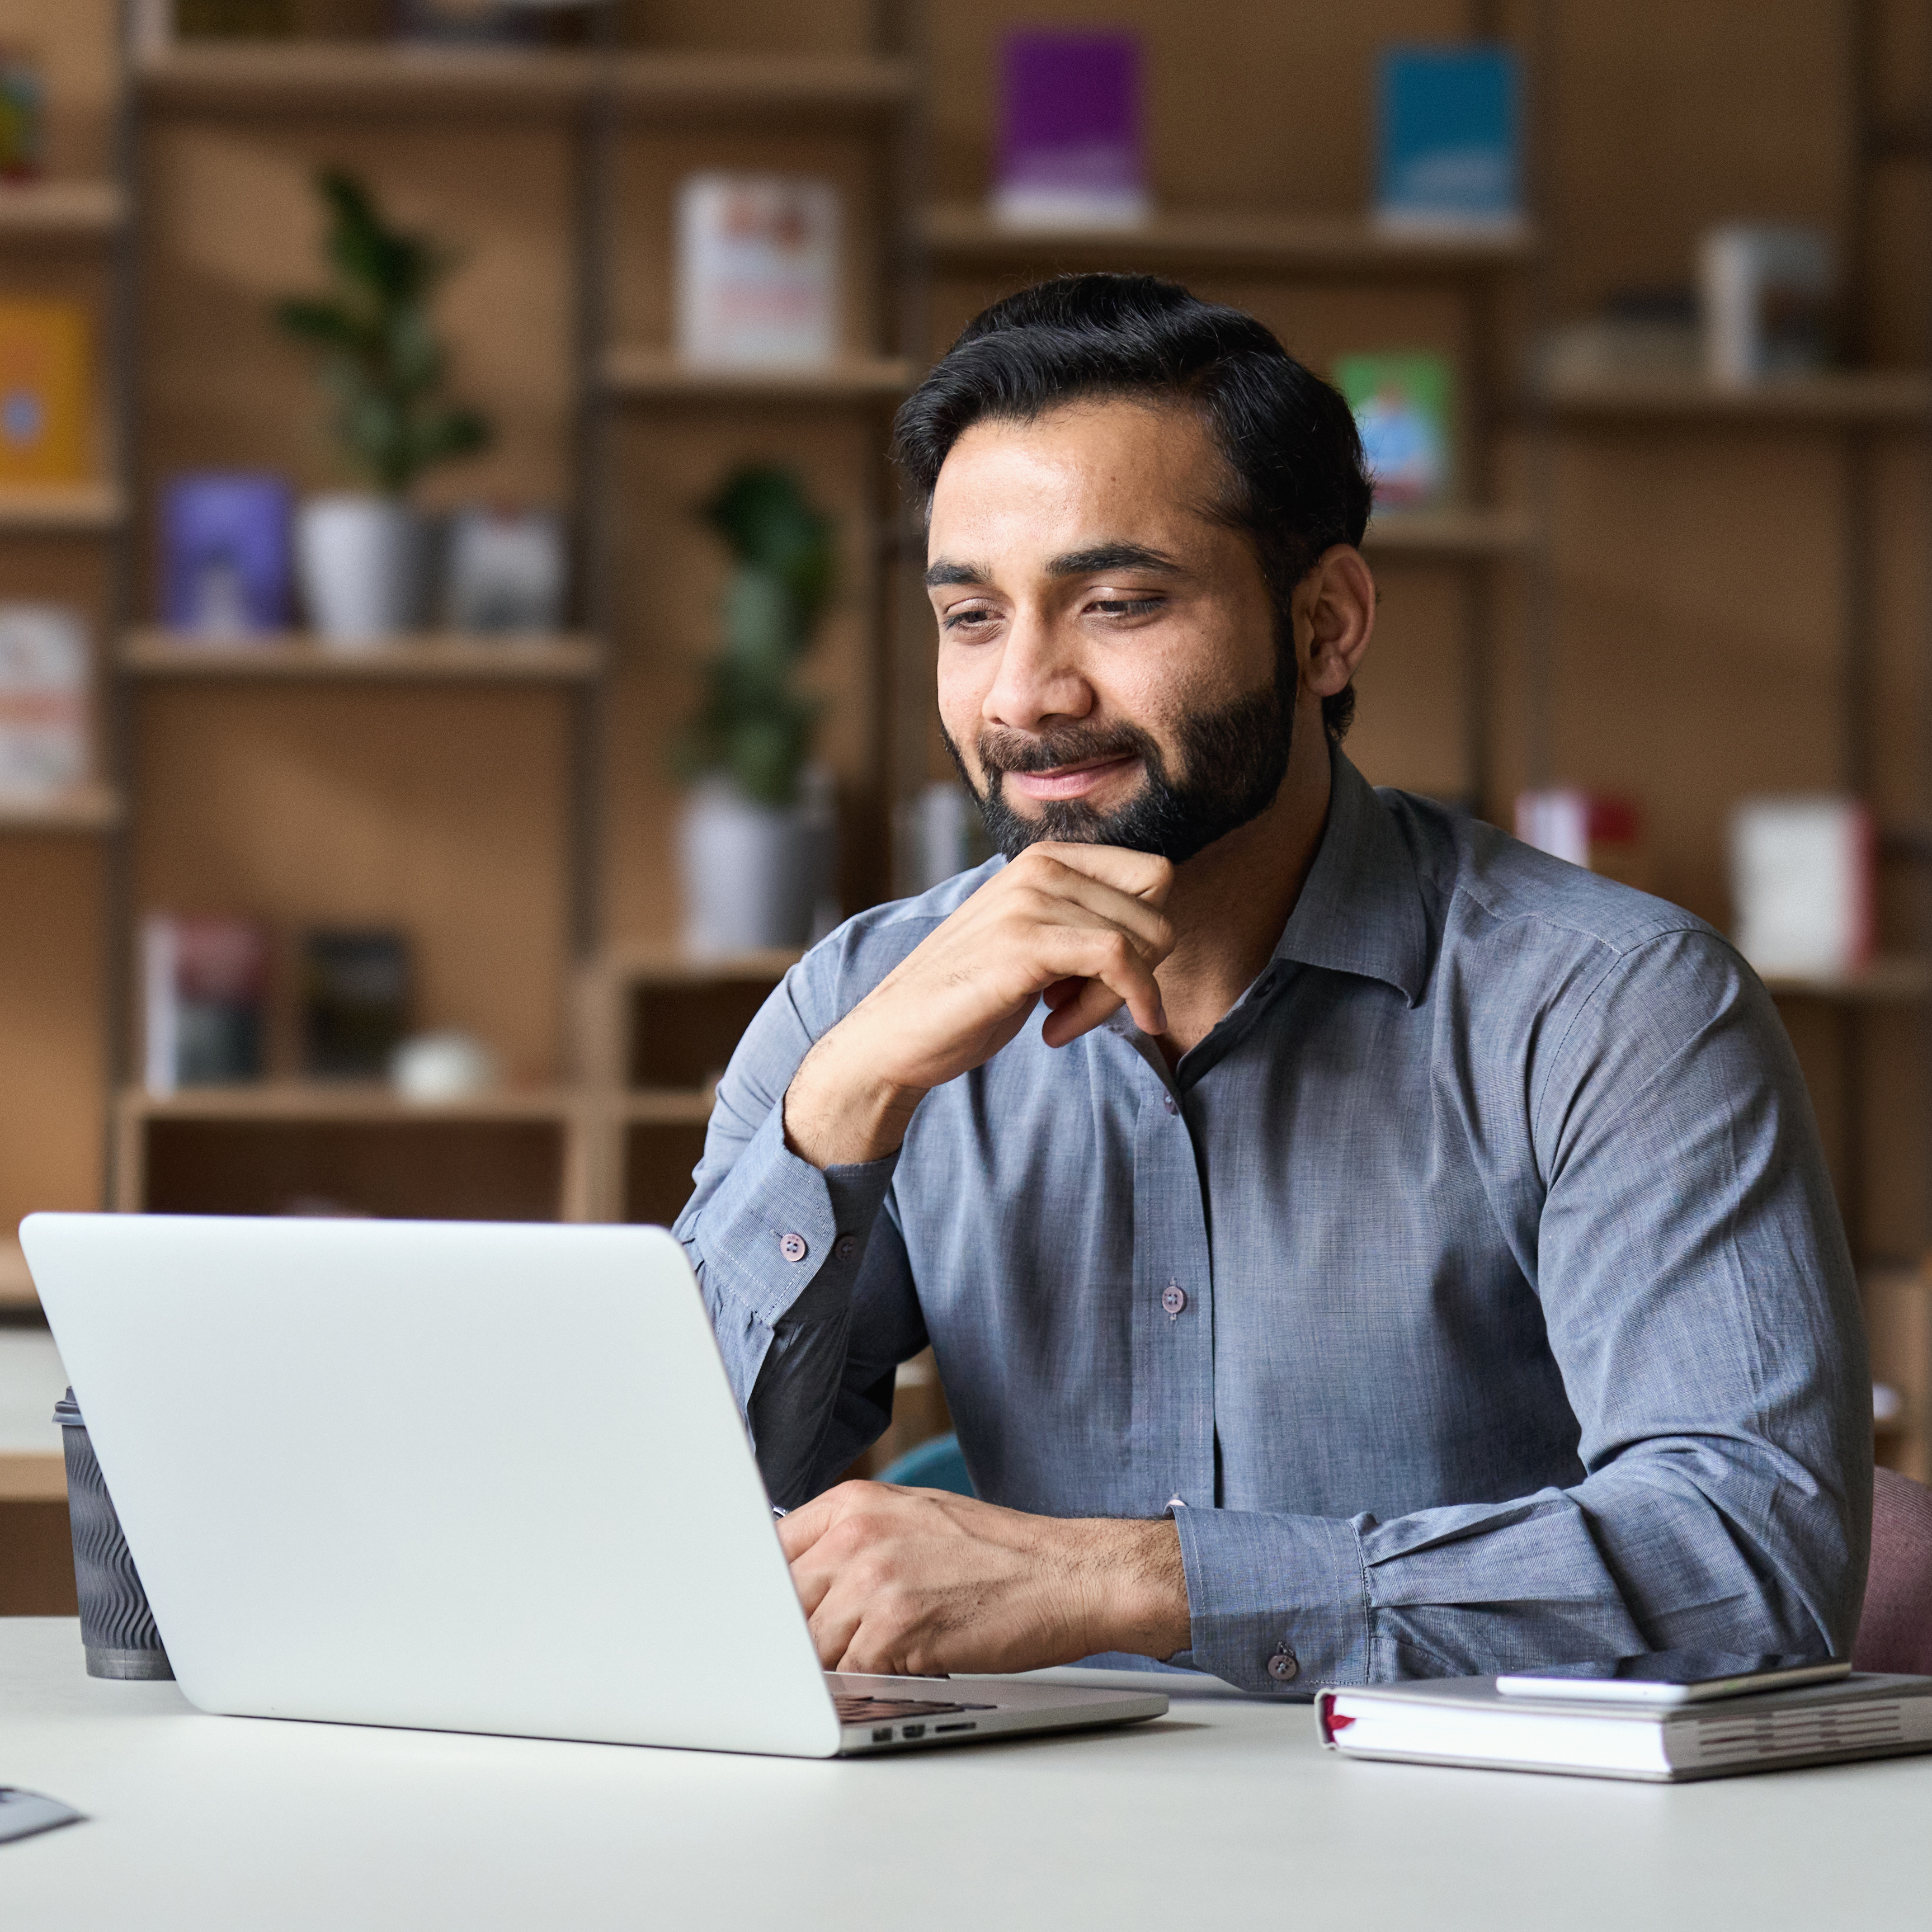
{"x": 1467, "y": 1720}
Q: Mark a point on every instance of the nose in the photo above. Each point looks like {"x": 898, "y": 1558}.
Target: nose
{"x": 1039, "y": 680}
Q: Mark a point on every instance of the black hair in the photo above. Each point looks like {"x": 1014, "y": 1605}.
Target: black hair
{"x": 1300, "y": 484}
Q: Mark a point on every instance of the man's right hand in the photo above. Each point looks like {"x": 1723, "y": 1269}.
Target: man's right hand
{"x": 1079, "y": 925}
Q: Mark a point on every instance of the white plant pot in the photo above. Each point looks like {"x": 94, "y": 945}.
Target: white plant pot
{"x": 361, "y": 563}
{"x": 754, "y": 874}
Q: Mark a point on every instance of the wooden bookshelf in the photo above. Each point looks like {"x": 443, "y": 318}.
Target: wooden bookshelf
{"x": 55, "y": 210}
{"x": 647, "y": 374}
{"x": 426, "y": 658}
{"x": 1877, "y": 397}
{"x": 348, "y": 77}
{"x": 962, "y": 235}
{"x": 1451, "y": 534}
{"x": 357, "y": 1103}
{"x": 94, "y": 808}
{"x": 1895, "y": 980}
{"x": 508, "y": 1153}
{"x": 654, "y": 1029}
{"x": 33, "y": 1476}
{"x": 16, "y": 1284}
{"x": 801, "y": 86}
{"x": 75, "y": 508}
{"x": 667, "y": 1107}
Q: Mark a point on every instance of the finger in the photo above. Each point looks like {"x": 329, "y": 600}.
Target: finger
{"x": 812, "y": 1580}
{"x": 800, "y": 1530}
{"x": 1125, "y": 978}
{"x": 1142, "y": 875}
{"x": 1095, "y": 1005}
{"x": 1061, "y": 993}
{"x": 834, "y": 1626}
{"x": 1051, "y": 893}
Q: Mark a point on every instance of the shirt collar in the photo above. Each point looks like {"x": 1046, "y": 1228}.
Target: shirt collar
{"x": 1360, "y": 909}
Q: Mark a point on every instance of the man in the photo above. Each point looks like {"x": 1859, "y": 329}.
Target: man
{"x": 1354, "y": 1246}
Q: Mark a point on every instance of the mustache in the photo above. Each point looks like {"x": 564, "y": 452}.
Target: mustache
{"x": 1004, "y": 751}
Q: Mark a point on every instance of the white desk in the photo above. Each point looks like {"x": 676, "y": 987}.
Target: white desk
{"x": 1224, "y": 1814}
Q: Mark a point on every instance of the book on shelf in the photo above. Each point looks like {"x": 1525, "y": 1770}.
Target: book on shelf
{"x": 1599, "y": 831}
{"x": 1766, "y": 292}
{"x": 757, "y": 283}
{"x": 1450, "y": 158}
{"x": 355, "y": 1001}
{"x": 1803, "y": 885}
{"x": 503, "y": 570}
{"x": 204, "y": 985}
{"x": 23, "y": 116}
{"x": 225, "y": 555}
{"x": 44, "y": 680}
{"x": 1467, "y": 1720}
{"x": 46, "y": 392}
{"x": 1071, "y": 143}
{"x": 1404, "y": 407}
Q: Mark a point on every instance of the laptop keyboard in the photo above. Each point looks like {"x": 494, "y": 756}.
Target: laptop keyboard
{"x": 853, "y": 1710}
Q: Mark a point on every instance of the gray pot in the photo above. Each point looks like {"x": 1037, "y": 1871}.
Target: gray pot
{"x": 362, "y": 561}
{"x": 754, "y": 876}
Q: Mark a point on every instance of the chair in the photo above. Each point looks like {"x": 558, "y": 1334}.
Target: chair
{"x": 938, "y": 1465}
{"x": 1895, "y": 1632}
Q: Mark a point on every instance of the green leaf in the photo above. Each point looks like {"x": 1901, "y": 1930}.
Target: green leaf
{"x": 382, "y": 362}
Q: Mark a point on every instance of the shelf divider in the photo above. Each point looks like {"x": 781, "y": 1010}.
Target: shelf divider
{"x": 424, "y": 658}
{"x": 641, "y": 374}
{"x": 89, "y": 807}
{"x": 962, "y": 235}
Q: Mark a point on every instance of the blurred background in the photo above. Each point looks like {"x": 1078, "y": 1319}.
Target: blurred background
{"x": 460, "y": 636}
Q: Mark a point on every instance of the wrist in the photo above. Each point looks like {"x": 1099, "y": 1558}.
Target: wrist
{"x": 1134, "y": 1588}
{"x": 839, "y": 1113}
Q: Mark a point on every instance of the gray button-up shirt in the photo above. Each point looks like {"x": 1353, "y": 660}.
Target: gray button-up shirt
{"x": 1474, "y": 1293}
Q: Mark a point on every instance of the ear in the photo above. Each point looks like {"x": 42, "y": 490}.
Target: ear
{"x": 1334, "y": 619}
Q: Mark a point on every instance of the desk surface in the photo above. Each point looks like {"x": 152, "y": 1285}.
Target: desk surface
{"x": 1225, "y": 1813}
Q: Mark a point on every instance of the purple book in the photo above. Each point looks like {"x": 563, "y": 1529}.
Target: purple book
{"x": 1070, "y": 143}
{"x": 225, "y": 554}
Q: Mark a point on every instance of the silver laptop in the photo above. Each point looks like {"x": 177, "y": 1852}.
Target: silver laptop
{"x": 462, "y": 1476}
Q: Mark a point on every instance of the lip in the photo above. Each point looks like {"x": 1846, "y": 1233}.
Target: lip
{"x": 1070, "y": 781}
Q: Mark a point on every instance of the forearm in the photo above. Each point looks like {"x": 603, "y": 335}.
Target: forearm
{"x": 1702, "y": 1544}
{"x": 1130, "y": 1577}
{"x": 840, "y": 1112}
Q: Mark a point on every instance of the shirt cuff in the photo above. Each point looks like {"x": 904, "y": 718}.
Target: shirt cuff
{"x": 1275, "y": 1603}
{"x": 779, "y": 1228}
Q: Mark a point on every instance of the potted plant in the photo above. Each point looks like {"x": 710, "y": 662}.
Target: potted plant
{"x": 756, "y": 838}
{"x": 361, "y": 555}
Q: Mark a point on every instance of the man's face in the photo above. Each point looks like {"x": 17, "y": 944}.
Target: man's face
{"x": 1108, "y": 659}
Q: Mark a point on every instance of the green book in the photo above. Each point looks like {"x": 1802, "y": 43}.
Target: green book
{"x": 1404, "y": 406}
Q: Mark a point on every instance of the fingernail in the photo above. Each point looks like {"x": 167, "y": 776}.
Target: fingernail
{"x": 1160, "y": 1019}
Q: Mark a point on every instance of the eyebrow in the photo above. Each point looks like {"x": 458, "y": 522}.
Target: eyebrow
{"x": 1111, "y": 556}
{"x": 1073, "y": 563}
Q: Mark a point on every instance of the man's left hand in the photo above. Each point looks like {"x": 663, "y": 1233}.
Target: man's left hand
{"x": 918, "y": 1582}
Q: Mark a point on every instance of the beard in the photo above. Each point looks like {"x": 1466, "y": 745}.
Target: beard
{"x": 1232, "y": 761}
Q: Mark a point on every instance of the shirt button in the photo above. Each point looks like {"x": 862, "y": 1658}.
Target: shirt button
{"x": 1284, "y": 1667}
{"x": 1174, "y": 1297}
{"x": 1167, "y": 1101}
{"x": 846, "y": 1246}
{"x": 793, "y": 1247}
